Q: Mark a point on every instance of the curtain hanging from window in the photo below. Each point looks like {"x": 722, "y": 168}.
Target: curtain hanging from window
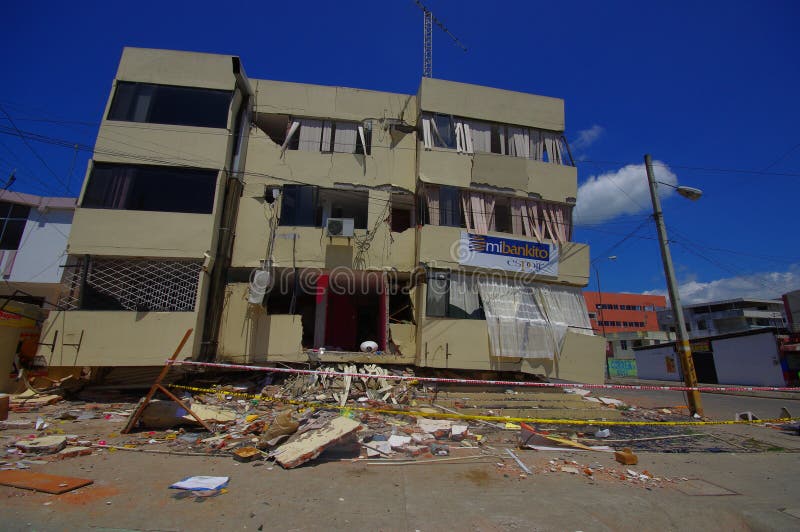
{"x": 426, "y": 133}
{"x": 464, "y": 300}
{"x": 327, "y": 132}
{"x": 344, "y": 141}
{"x": 310, "y": 135}
{"x": 530, "y": 320}
{"x": 481, "y": 136}
{"x": 552, "y": 144}
{"x": 290, "y": 132}
{"x": 432, "y": 199}
{"x": 519, "y": 142}
{"x": 537, "y": 145}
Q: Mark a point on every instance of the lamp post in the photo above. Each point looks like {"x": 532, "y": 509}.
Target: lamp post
{"x": 684, "y": 350}
{"x": 600, "y": 295}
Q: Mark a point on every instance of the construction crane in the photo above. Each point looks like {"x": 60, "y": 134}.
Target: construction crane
{"x": 427, "y": 52}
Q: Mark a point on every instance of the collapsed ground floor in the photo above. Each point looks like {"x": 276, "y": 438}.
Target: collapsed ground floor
{"x": 433, "y": 318}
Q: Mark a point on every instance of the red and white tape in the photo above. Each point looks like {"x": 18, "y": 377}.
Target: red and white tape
{"x": 488, "y": 382}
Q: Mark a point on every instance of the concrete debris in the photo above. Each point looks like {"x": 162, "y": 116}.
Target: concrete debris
{"x": 43, "y": 445}
{"x": 310, "y": 445}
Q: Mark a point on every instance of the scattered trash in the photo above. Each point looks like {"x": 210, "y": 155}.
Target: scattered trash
{"x": 602, "y": 433}
{"x": 201, "y": 483}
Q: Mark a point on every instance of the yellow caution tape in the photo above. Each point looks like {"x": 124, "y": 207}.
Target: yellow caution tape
{"x": 473, "y": 417}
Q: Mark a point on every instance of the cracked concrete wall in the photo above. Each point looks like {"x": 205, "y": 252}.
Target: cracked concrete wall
{"x": 488, "y": 103}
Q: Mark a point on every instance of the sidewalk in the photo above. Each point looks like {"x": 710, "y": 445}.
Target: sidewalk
{"x": 632, "y": 381}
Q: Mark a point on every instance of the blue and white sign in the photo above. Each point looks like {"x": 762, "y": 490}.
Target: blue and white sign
{"x": 500, "y": 253}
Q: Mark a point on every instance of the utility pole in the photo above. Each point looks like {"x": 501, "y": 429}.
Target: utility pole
{"x": 684, "y": 350}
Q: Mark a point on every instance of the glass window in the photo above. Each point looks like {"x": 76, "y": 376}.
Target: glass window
{"x": 438, "y": 292}
{"x": 12, "y": 224}
{"x": 150, "y": 188}
{"x": 299, "y": 205}
{"x": 449, "y": 206}
{"x": 444, "y": 135}
{"x": 167, "y": 104}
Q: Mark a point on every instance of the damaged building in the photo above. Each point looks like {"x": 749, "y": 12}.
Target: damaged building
{"x": 293, "y": 223}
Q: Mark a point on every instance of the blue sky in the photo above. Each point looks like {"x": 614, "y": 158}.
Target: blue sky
{"x": 708, "y": 88}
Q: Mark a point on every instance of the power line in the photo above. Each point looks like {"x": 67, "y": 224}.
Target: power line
{"x": 41, "y": 159}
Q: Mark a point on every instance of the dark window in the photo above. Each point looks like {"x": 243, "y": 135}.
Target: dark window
{"x": 12, "y": 224}
{"x": 150, "y": 188}
{"x": 502, "y": 216}
{"x": 444, "y": 133}
{"x": 449, "y": 206}
{"x": 310, "y": 206}
{"x": 299, "y": 205}
{"x": 167, "y": 104}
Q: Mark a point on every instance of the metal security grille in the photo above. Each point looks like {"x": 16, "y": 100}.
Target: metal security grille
{"x": 131, "y": 284}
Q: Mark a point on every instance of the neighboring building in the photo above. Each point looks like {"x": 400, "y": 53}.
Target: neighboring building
{"x": 437, "y": 225}
{"x": 33, "y": 242}
{"x": 626, "y": 321}
{"x": 749, "y": 358}
{"x": 729, "y": 316}
{"x": 791, "y": 306}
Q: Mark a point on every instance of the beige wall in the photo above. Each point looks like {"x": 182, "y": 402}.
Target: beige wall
{"x": 553, "y": 182}
{"x": 464, "y": 344}
{"x": 438, "y": 246}
{"x": 117, "y": 338}
{"x": 301, "y": 99}
{"x": 171, "y": 67}
{"x": 308, "y": 247}
{"x": 139, "y": 233}
{"x": 495, "y": 105}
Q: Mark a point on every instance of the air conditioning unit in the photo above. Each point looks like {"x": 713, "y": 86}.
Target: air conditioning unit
{"x": 339, "y": 227}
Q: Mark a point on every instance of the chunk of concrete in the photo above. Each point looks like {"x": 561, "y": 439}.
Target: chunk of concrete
{"x": 72, "y": 452}
{"x": 43, "y": 445}
{"x": 310, "y": 445}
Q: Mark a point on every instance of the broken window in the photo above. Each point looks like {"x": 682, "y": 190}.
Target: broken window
{"x": 402, "y": 211}
{"x": 290, "y": 296}
{"x": 167, "y": 104}
{"x": 141, "y": 285}
{"x": 477, "y": 136}
{"x": 328, "y": 136}
{"x": 453, "y": 295}
{"x": 13, "y": 218}
{"x": 150, "y": 188}
{"x": 311, "y": 206}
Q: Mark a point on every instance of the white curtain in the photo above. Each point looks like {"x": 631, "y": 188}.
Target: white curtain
{"x": 535, "y": 223}
{"x": 479, "y": 207}
{"x": 327, "y": 130}
{"x": 463, "y": 296}
{"x": 481, "y": 136}
{"x": 427, "y": 137}
{"x": 290, "y": 132}
{"x": 517, "y": 206}
{"x": 519, "y": 142}
{"x": 530, "y": 320}
{"x": 552, "y": 143}
{"x": 537, "y": 144}
{"x": 310, "y": 134}
{"x": 344, "y": 140}
{"x": 363, "y": 138}
{"x": 432, "y": 199}
{"x": 463, "y": 137}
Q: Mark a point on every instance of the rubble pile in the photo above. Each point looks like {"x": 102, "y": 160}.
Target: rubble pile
{"x": 366, "y": 416}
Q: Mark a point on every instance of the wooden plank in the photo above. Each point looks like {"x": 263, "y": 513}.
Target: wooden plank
{"x": 30, "y": 480}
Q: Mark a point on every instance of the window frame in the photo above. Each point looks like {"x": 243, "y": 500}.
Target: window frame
{"x": 12, "y": 216}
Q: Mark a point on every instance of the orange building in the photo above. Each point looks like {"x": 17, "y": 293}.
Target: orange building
{"x": 617, "y": 313}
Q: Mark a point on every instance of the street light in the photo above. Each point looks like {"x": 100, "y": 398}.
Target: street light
{"x": 600, "y": 294}
{"x": 685, "y": 351}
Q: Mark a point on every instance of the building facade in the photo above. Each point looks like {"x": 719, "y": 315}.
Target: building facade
{"x": 729, "y": 316}
{"x": 288, "y": 222}
{"x": 33, "y": 242}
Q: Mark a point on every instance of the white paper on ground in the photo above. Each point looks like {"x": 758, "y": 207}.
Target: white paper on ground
{"x": 201, "y": 483}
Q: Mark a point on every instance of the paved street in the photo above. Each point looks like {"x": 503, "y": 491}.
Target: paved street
{"x": 733, "y": 490}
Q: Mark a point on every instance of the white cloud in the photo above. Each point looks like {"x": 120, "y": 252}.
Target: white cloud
{"x": 625, "y": 191}
{"x": 763, "y": 285}
{"x": 587, "y": 137}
